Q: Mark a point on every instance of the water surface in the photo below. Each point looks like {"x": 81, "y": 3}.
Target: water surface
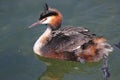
{"x": 17, "y": 60}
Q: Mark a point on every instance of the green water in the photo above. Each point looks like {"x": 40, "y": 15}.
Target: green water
{"x": 17, "y": 60}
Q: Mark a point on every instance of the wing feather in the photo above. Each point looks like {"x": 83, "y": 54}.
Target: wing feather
{"x": 69, "y": 38}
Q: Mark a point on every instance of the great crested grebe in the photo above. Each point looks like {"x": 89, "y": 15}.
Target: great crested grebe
{"x": 68, "y": 43}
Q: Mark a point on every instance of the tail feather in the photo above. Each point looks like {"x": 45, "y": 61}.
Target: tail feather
{"x": 94, "y": 51}
{"x": 103, "y": 46}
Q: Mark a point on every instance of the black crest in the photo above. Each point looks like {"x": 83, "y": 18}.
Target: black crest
{"x": 46, "y": 6}
{"x": 47, "y": 12}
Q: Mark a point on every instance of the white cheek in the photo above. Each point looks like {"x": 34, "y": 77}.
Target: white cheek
{"x": 48, "y": 20}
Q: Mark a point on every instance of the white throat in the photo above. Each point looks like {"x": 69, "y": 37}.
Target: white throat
{"x": 42, "y": 40}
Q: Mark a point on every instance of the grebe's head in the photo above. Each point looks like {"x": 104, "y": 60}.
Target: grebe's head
{"x": 49, "y": 16}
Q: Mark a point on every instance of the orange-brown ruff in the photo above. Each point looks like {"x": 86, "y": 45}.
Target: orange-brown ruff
{"x": 68, "y": 43}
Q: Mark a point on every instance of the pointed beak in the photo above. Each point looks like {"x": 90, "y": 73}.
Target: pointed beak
{"x": 35, "y": 24}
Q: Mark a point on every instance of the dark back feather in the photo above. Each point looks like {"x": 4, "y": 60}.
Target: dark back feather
{"x": 69, "y": 38}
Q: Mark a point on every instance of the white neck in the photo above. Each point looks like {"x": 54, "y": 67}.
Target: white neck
{"x": 42, "y": 40}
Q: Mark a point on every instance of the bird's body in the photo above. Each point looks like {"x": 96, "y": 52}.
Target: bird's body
{"x": 68, "y": 43}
